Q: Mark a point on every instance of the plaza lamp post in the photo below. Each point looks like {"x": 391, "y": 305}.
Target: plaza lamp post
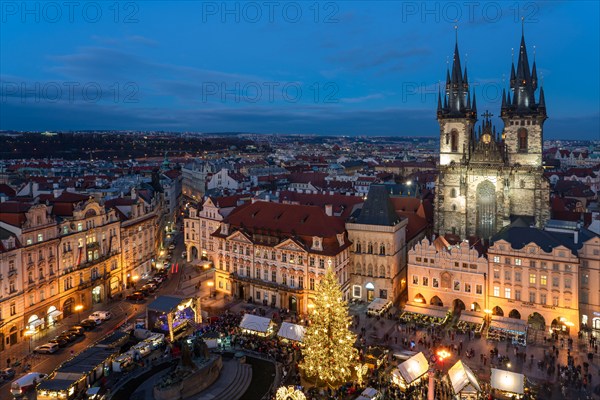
{"x": 442, "y": 355}
{"x": 488, "y": 315}
{"x": 78, "y": 308}
{"x": 29, "y": 333}
{"x": 210, "y": 285}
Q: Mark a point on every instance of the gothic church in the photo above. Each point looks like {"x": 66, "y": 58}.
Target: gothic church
{"x": 487, "y": 179}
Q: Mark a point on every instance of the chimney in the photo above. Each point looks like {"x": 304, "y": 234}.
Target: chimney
{"x": 576, "y": 236}
{"x": 329, "y": 209}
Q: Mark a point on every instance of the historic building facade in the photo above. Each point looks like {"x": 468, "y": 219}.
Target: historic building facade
{"x": 447, "y": 276}
{"x": 485, "y": 177}
{"x": 276, "y": 254}
{"x": 378, "y": 253}
{"x": 12, "y": 306}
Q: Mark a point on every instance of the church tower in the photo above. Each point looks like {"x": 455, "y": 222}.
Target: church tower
{"x": 524, "y": 117}
{"x": 456, "y": 116}
{"x": 487, "y": 180}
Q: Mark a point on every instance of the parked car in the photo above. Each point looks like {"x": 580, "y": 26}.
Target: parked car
{"x": 150, "y": 286}
{"x": 48, "y": 348}
{"x": 97, "y": 320}
{"x": 26, "y": 383}
{"x": 68, "y": 336}
{"x": 103, "y": 315}
{"x": 60, "y": 342}
{"x": 135, "y": 296}
{"x": 7, "y": 374}
{"x": 78, "y": 330}
{"x": 88, "y": 324}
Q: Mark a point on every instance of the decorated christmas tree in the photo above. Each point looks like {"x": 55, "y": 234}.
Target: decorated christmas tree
{"x": 329, "y": 353}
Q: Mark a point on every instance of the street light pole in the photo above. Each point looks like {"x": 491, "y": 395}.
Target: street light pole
{"x": 29, "y": 333}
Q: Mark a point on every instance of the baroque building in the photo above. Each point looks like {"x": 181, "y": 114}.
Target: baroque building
{"x": 485, "y": 177}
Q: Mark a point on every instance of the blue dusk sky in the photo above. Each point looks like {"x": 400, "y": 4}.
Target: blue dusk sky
{"x": 333, "y": 68}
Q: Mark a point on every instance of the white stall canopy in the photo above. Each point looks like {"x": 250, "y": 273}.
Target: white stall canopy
{"x": 378, "y": 306}
{"x": 508, "y": 381}
{"x": 291, "y": 331}
{"x": 255, "y": 323}
{"x": 413, "y": 368}
{"x": 463, "y": 379}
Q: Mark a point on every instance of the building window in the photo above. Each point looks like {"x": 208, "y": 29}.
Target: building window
{"x": 507, "y": 275}
{"x": 311, "y": 283}
{"x": 543, "y": 280}
{"x": 478, "y": 289}
{"x": 284, "y": 279}
{"x": 425, "y": 281}
{"x": 507, "y": 261}
{"x": 522, "y": 137}
{"x": 301, "y": 282}
{"x": 496, "y": 274}
{"x": 567, "y": 283}
{"x": 517, "y": 295}
{"x": 532, "y": 297}
{"x": 322, "y": 263}
{"x": 531, "y": 264}
{"x": 273, "y": 276}
{"x": 584, "y": 297}
{"x": 467, "y": 287}
{"x": 585, "y": 279}
{"x": 555, "y": 267}
{"x": 517, "y": 276}
{"x": 532, "y": 279}
{"x": 496, "y": 259}
{"x": 257, "y": 273}
{"x": 13, "y": 309}
{"x": 358, "y": 249}
{"x": 40, "y": 237}
{"x": 555, "y": 301}
{"x": 383, "y": 293}
{"x": 356, "y": 289}
{"x": 507, "y": 292}
{"x": 265, "y": 274}
{"x": 555, "y": 281}
{"x": 457, "y": 285}
{"x": 435, "y": 282}
{"x": 454, "y": 141}
{"x": 497, "y": 291}
{"x": 518, "y": 261}
{"x": 542, "y": 298}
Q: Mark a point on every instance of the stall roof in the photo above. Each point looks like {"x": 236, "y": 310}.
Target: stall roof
{"x": 378, "y": 304}
{"x": 413, "y": 368}
{"x": 165, "y": 304}
{"x": 432, "y": 312}
{"x": 255, "y": 323}
{"x": 508, "y": 324}
{"x": 56, "y": 384}
{"x": 368, "y": 394}
{"x": 471, "y": 318}
{"x": 113, "y": 340}
{"x": 291, "y": 331}
{"x": 463, "y": 379}
{"x": 87, "y": 360}
{"x": 508, "y": 381}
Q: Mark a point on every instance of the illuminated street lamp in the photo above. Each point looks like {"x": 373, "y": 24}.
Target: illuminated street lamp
{"x": 210, "y": 285}
{"x": 78, "y": 308}
{"x": 442, "y": 355}
{"x": 29, "y": 333}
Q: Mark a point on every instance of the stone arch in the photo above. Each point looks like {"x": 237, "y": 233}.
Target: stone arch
{"x": 13, "y": 335}
{"x": 454, "y": 141}
{"x": 458, "y": 304}
{"x": 370, "y": 248}
{"x": 498, "y": 311}
{"x": 370, "y": 270}
{"x": 192, "y": 253}
{"x": 537, "y": 321}
{"x": 419, "y": 298}
{"x": 486, "y": 209}
{"x": 358, "y": 269}
{"x": 68, "y": 307}
{"x": 381, "y": 271}
{"x": 436, "y": 301}
{"x": 514, "y": 314}
{"x": 382, "y": 249}
{"x": 475, "y": 307}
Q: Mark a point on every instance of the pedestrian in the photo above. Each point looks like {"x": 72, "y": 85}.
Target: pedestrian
{"x": 8, "y": 362}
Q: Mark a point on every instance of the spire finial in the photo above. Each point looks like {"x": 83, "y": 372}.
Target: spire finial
{"x": 522, "y": 26}
{"x": 512, "y": 54}
{"x": 456, "y": 33}
{"x": 533, "y": 53}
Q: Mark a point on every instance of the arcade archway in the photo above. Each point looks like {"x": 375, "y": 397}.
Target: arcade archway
{"x": 498, "y": 311}
{"x": 536, "y": 321}
{"x": 514, "y": 314}
{"x": 436, "y": 301}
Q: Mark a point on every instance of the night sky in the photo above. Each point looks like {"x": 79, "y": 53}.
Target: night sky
{"x": 341, "y": 68}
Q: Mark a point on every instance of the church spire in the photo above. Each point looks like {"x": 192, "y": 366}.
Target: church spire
{"x": 457, "y": 101}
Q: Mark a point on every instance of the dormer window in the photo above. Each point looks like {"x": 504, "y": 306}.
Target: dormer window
{"x": 317, "y": 243}
{"x": 225, "y": 229}
{"x": 340, "y": 238}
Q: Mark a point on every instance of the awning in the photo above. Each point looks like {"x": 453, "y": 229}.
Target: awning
{"x": 471, "y": 318}
{"x": 508, "y": 381}
{"x": 432, "y": 312}
{"x": 291, "y": 331}
{"x": 35, "y": 323}
{"x": 55, "y": 314}
{"x": 463, "y": 379}
{"x": 255, "y": 323}
{"x": 368, "y": 394}
{"x": 378, "y": 305}
{"x": 509, "y": 324}
{"x": 413, "y": 368}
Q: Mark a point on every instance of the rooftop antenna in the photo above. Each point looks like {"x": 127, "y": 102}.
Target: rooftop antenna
{"x": 533, "y": 53}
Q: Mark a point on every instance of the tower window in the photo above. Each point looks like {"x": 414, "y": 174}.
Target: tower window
{"x": 453, "y": 193}
{"x": 522, "y": 140}
{"x": 454, "y": 141}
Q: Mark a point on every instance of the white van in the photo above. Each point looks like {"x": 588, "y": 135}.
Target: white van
{"x": 103, "y": 315}
{"x": 24, "y": 384}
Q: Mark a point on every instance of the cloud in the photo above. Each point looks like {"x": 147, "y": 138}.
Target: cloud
{"x": 361, "y": 99}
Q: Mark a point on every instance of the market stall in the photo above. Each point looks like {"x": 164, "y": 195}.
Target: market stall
{"x": 503, "y": 328}
{"x": 256, "y": 325}
{"x": 469, "y": 322}
{"x": 410, "y": 371}
{"x": 378, "y": 306}
{"x": 369, "y": 394}
{"x": 173, "y": 315}
{"x": 424, "y": 316}
{"x": 508, "y": 383}
{"x": 291, "y": 332}
{"x": 464, "y": 382}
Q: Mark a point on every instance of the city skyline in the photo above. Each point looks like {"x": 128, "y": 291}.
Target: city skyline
{"x": 336, "y": 68}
